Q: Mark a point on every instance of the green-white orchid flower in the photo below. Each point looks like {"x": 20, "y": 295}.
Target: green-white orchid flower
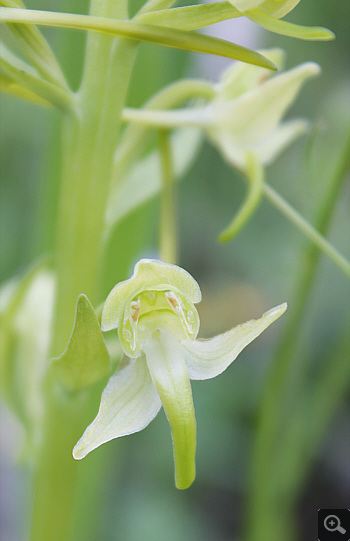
{"x": 244, "y": 117}
{"x": 247, "y": 112}
{"x": 244, "y": 121}
{"x": 157, "y": 325}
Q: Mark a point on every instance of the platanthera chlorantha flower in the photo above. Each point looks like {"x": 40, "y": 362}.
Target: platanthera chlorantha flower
{"x": 245, "y": 117}
{"x": 157, "y": 326}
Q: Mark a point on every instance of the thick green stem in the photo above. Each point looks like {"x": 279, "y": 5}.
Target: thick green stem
{"x": 90, "y": 138}
{"x": 167, "y": 211}
{"x": 86, "y": 181}
{"x": 263, "y": 507}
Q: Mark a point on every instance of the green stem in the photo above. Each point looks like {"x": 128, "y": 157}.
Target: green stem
{"x": 90, "y": 138}
{"x": 167, "y": 214}
{"x": 86, "y": 183}
{"x": 310, "y": 232}
{"x": 262, "y": 508}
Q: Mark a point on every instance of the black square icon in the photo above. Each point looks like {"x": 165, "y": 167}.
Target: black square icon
{"x": 333, "y": 525}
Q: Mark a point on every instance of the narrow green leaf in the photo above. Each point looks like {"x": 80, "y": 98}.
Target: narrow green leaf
{"x": 36, "y": 48}
{"x": 20, "y": 72}
{"x": 86, "y": 359}
{"x": 10, "y": 86}
{"x": 190, "y": 17}
{"x": 168, "y": 37}
{"x": 285, "y": 28}
{"x": 155, "y": 5}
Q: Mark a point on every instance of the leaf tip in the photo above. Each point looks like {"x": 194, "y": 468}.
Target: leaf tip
{"x": 277, "y": 311}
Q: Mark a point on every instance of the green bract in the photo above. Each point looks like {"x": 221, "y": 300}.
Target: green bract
{"x": 157, "y": 326}
{"x": 86, "y": 359}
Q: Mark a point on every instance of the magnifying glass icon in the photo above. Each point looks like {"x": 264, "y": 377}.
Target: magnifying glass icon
{"x": 332, "y": 524}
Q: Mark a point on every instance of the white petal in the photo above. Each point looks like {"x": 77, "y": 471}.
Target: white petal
{"x": 254, "y": 115}
{"x": 279, "y": 139}
{"x": 240, "y": 77}
{"x": 232, "y": 153}
{"x": 206, "y": 359}
{"x": 128, "y": 404}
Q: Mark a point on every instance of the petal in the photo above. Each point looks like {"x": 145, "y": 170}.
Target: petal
{"x": 254, "y": 115}
{"x": 170, "y": 376}
{"x": 128, "y": 404}
{"x": 279, "y": 139}
{"x": 266, "y": 151}
{"x": 286, "y": 28}
{"x": 149, "y": 274}
{"x": 240, "y": 77}
{"x": 206, "y": 359}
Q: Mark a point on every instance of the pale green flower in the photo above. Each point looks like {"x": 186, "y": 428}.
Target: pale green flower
{"x": 246, "y": 114}
{"x": 157, "y": 325}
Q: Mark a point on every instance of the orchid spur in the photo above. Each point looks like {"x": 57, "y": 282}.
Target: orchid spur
{"x": 157, "y": 326}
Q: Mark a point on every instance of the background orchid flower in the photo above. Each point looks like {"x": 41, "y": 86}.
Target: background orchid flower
{"x": 157, "y": 326}
{"x": 247, "y": 112}
{"x": 244, "y": 117}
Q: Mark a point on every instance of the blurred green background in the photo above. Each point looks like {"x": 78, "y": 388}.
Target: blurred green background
{"x": 239, "y": 280}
